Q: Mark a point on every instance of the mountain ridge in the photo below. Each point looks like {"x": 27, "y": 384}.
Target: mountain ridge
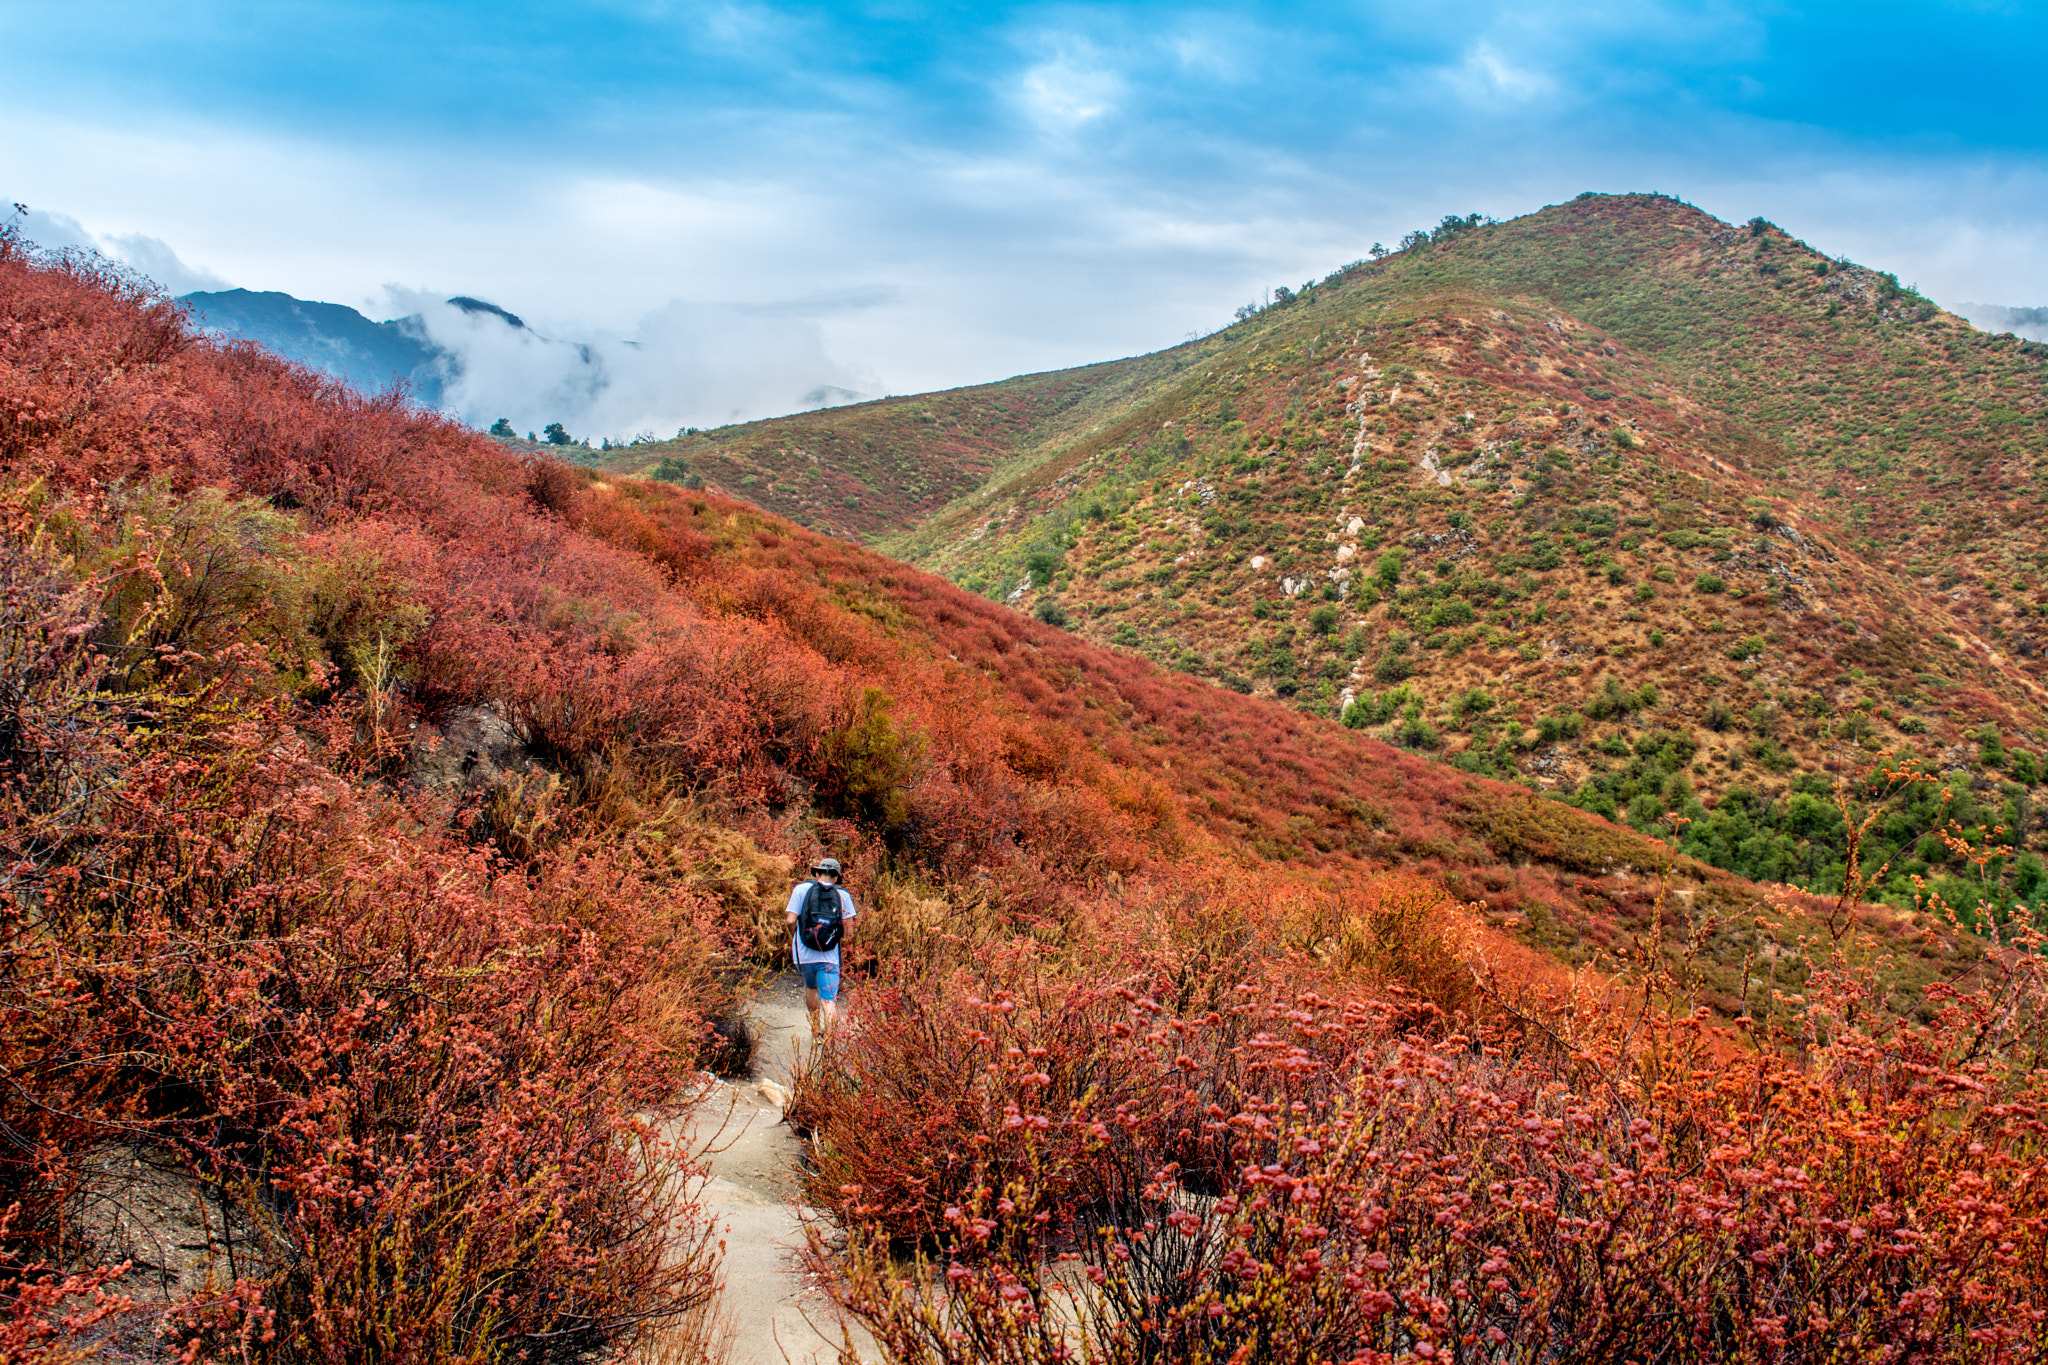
{"x": 330, "y": 337}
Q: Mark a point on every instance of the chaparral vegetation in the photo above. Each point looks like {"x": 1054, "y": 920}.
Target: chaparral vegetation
{"x": 396, "y": 820}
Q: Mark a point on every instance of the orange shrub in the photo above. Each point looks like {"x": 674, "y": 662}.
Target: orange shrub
{"x": 1460, "y": 1197}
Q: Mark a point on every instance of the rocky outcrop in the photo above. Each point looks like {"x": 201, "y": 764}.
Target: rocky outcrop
{"x": 471, "y": 750}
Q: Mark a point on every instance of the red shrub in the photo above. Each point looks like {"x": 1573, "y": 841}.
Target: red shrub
{"x": 1387, "y": 1198}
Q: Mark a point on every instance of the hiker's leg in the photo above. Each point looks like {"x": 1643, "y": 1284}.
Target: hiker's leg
{"x": 812, "y": 1005}
{"x": 827, "y": 994}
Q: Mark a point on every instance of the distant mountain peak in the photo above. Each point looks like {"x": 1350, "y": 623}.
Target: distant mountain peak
{"x": 330, "y": 337}
{"x": 470, "y": 305}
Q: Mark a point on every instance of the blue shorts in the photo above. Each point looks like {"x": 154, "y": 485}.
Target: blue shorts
{"x": 822, "y": 977}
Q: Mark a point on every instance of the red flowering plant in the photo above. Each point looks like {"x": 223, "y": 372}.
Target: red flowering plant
{"x": 1598, "y": 1174}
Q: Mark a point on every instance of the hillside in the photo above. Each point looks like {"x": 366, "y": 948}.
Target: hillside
{"x": 1670, "y": 517}
{"x": 872, "y": 469}
{"x": 395, "y": 820}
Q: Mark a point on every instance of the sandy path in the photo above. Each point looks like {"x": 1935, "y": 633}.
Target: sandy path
{"x": 751, "y": 1193}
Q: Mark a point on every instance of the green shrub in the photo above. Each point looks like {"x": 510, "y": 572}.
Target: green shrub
{"x": 1765, "y": 750}
{"x": 1990, "y": 747}
{"x": 1414, "y": 732}
{"x": 1041, "y": 562}
{"x": 1709, "y": 583}
{"x": 1474, "y": 702}
{"x": 1323, "y": 620}
{"x": 1454, "y": 612}
{"x": 1052, "y": 613}
{"x": 1612, "y": 700}
{"x": 1748, "y": 647}
{"x": 361, "y": 611}
{"x": 869, "y": 761}
{"x": 1370, "y": 710}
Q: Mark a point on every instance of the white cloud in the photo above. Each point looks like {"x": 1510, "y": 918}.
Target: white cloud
{"x": 151, "y": 256}
{"x": 2031, "y": 323}
{"x": 682, "y": 365}
{"x": 1485, "y": 73}
{"x": 1068, "y": 90}
{"x": 57, "y": 231}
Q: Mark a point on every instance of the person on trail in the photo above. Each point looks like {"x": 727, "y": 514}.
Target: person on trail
{"x": 820, "y": 915}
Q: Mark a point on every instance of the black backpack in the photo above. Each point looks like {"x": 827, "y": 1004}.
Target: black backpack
{"x": 822, "y": 923}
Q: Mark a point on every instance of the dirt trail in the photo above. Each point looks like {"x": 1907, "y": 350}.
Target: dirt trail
{"x": 751, "y": 1193}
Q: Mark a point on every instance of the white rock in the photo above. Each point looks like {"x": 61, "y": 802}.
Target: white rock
{"x": 1258, "y": 561}
{"x": 1354, "y": 526}
{"x": 1345, "y": 551}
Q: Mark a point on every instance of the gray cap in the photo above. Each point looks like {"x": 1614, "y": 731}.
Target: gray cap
{"x": 826, "y": 865}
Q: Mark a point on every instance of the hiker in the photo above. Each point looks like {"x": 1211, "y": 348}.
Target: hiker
{"x": 820, "y": 914}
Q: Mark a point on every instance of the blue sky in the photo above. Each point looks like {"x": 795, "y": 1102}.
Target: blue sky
{"x": 903, "y": 195}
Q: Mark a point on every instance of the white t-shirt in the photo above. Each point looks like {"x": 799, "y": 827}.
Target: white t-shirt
{"x": 803, "y": 952}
